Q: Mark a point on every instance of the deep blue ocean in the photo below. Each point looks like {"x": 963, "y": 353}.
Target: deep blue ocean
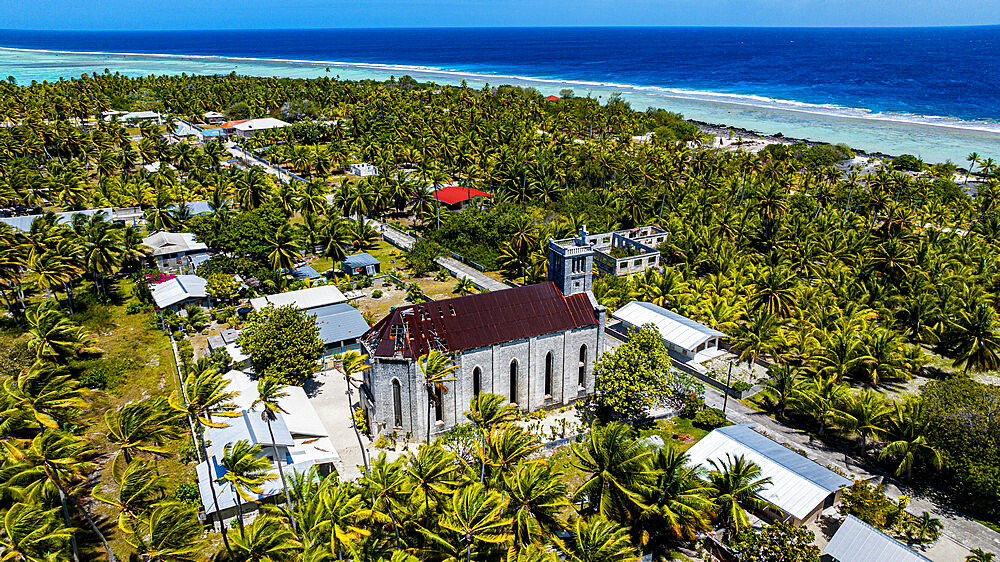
{"x": 949, "y": 72}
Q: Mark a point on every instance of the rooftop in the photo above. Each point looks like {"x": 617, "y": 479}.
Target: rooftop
{"x": 339, "y": 322}
{"x": 361, "y": 260}
{"x": 166, "y": 243}
{"x": 798, "y": 485}
{"x": 23, "y": 223}
{"x": 258, "y": 124}
{"x": 674, "y": 328}
{"x": 454, "y": 194}
{"x": 177, "y": 289}
{"x": 479, "y": 320}
{"x": 857, "y": 541}
{"x": 252, "y": 428}
{"x": 305, "y": 299}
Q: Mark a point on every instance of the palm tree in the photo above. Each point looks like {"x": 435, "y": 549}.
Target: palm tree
{"x": 269, "y": 392}
{"x": 977, "y": 338}
{"x": 41, "y": 395}
{"x": 31, "y": 534}
{"x": 679, "y": 501}
{"x": 141, "y": 426}
{"x": 45, "y": 466}
{"x": 437, "y": 369}
{"x": 342, "y": 513}
{"x": 923, "y": 528}
{"x": 596, "y": 539}
{"x": 783, "y": 385}
{"x": 906, "y": 433}
{"x": 822, "y": 398}
{"x": 476, "y": 515}
{"x": 283, "y": 251}
{"x": 267, "y": 540}
{"x": 169, "y": 532}
{"x": 246, "y": 471}
{"x": 866, "y": 413}
{"x": 53, "y": 337}
{"x": 618, "y": 471}
{"x": 464, "y": 286}
{"x": 138, "y": 487}
{"x": 980, "y": 555}
{"x": 537, "y": 500}
{"x": 432, "y": 472}
{"x": 353, "y": 365}
{"x": 736, "y": 483}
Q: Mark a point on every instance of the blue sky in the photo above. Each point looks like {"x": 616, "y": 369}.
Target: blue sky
{"x": 255, "y": 14}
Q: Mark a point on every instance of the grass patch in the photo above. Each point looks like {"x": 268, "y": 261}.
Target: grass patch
{"x": 668, "y": 428}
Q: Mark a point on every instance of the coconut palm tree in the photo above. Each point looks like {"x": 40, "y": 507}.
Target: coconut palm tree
{"x": 42, "y": 395}
{"x": 169, "y": 532}
{"x": 44, "y": 469}
{"x": 906, "y": 435}
{"x": 437, "y": 369}
{"x": 141, "y": 426}
{"x": 735, "y": 484}
{"x": 269, "y": 393}
{"x": 353, "y": 365}
{"x": 433, "y": 474}
{"x": 464, "y": 286}
{"x": 980, "y": 555}
{"x": 782, "y": 387}
{"x": 267, "y": 539}
{"x": 618, "y": 472}
{"x": 977, "y": 338}
{"x": 283, "y": 250}
{"x": 137, "y": 486}
{"x": 537, "y": 499}
{"x": 53, "y": 337}
{"x": 246, "y": 471}
{"x": 866, "y": 413}
{"x": 596, "y": 539}
{"x": 476, "y": 516}
{"x": 679, "y": 502}
{"x": 31, "y": 533}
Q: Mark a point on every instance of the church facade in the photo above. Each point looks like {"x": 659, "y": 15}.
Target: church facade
{"x": 536, "y": 345}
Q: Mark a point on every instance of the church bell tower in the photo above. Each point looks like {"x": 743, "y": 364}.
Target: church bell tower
{"x": 571, "y": 263}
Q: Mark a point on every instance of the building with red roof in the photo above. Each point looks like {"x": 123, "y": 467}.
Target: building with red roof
{"x": 534, "y": 345}
{"x": 456, "y": 197}
{"x": 553, "y": 98}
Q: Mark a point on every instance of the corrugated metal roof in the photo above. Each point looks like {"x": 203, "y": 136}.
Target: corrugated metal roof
{"x": 339, "y": 322}
{"x": 299, "y": 417}
{"x": 209, "y": 471}
{"x": 798, "y": 485}
{"x": 181, "y": 287}
{"x": 361, "y": 260}
{"x": 480, "y": 320}
{"x": 857, "y": 541}
{"x": 167, "y": 243}
{"x": 305, "y": 272}
{"x": 250, "y": 427}
{"x": 674, "y": 328}
{"x": 305, "y": 298}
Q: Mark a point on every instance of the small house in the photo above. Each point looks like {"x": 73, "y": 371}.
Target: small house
{"x": 362, "y": 264}
{"x": 180, "y": 291}
{"x": 169, "y": 249}
{"x": 137, "y": 116}
{"x": 214, "y": 118}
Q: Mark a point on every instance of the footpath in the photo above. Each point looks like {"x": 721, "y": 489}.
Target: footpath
{"x": 960, "y": 533}
{"x": 404, "y": 242}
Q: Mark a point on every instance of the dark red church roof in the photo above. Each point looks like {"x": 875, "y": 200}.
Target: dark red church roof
{"x": 453, "y": 194}
{"x": 553, "y": 98}
{"x": 480, "y": 320}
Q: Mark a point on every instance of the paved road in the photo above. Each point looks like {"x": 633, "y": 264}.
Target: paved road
{"x": 960, "y": 533}
{"x": 328, "y": 395}
{"x": 251, "y": 160}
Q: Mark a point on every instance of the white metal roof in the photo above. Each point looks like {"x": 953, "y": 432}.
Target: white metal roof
{"x": 857, "y": 541}
{"x": 167, "y": 243}
{"x": 674, "y": 328}
{"x": 260, "y": 124}
{"x": 141, "y": 115}
{"x": 300, "y": 417}
{"x": 305, "y": 299}
{"x": 210, "y": 470}
{"x": 177, "y": 289}
{"x": 798, "y": 485}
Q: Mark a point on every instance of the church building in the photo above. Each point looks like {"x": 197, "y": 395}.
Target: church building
{"x": 535, "y": 345}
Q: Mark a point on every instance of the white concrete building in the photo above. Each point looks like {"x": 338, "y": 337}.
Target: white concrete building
{"x": 364, "y": 170}
{"x": 214, "y": 118}
{"x": 180, "y": 291}
{"x": 251, "y": 127}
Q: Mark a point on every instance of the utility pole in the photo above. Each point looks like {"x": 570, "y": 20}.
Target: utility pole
{"x": 728, "y": 378}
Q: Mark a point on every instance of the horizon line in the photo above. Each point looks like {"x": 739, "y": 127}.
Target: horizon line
{"x": 470, "y": 27}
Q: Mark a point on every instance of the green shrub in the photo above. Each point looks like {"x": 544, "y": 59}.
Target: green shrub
{"x": 740, "y": 386}
{"x": 361, "y": 419}
{"x": 693, "y": 403}
{"x": 377, "y": 294}
{"x": 710, "y": 418}
{"x": 187, "y": 493}
{"x": 134, "y": 307}
{"x": 907, "y": 162}
{"x": 103, "y": 374}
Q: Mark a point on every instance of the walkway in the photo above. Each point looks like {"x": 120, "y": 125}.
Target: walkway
{"x": 404, "y": 242}
{"x": 960, "y": 532}
{"x": 252, "y": 160}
